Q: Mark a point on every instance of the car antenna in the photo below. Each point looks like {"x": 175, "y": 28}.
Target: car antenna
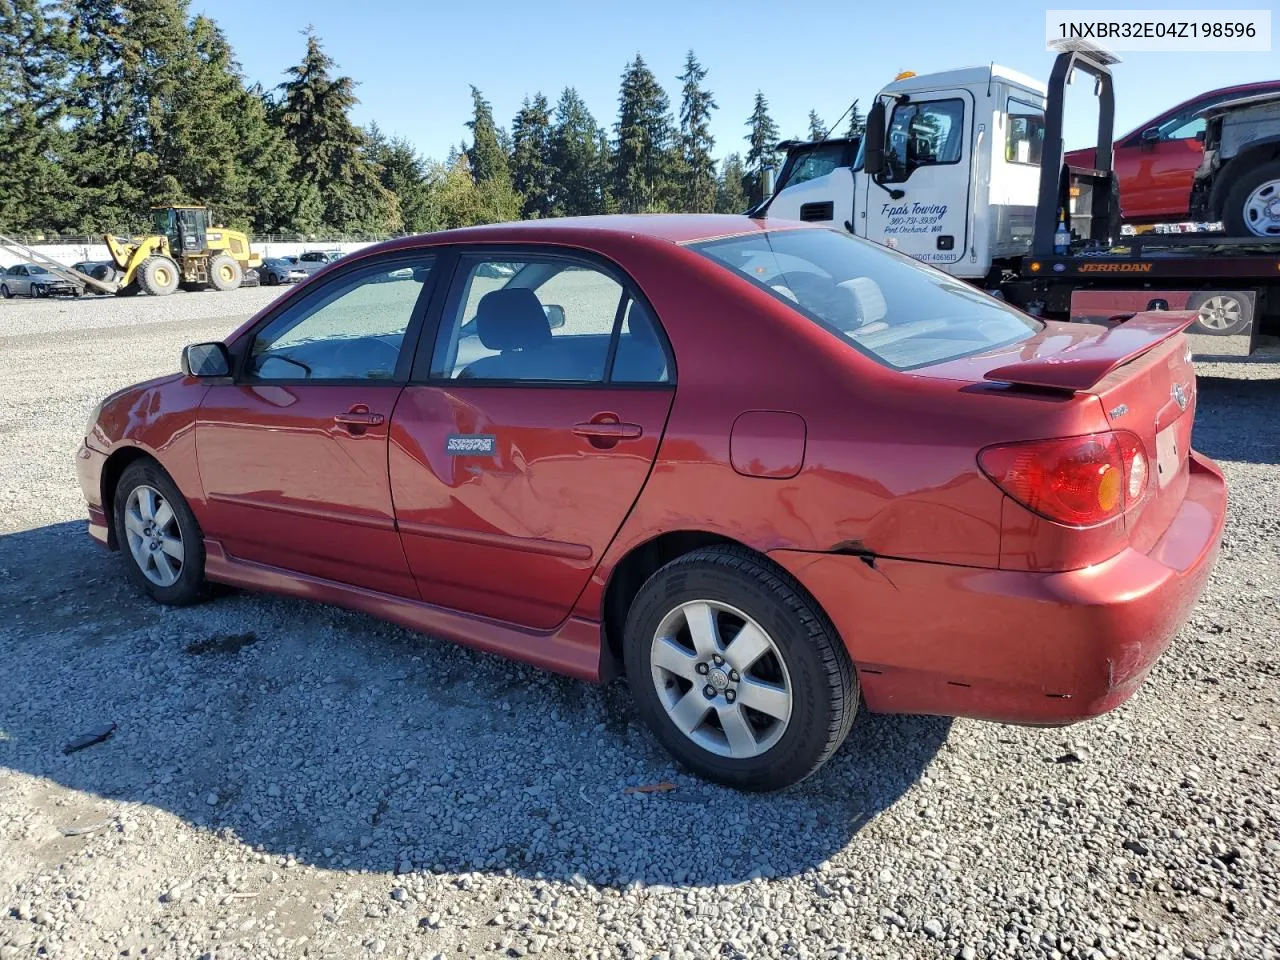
{"x": 759, "y": 210}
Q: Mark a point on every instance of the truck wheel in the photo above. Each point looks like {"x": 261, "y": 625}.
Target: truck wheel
{"x": 158, "y": 276}
{"x": 225, "y": 273}
{"x": 1220, "y": 314}
{"x": 1253, "y": 203}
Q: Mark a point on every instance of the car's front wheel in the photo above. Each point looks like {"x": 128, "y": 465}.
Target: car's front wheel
{"x": 159, "y": 535}
{"x": 737, "y": 671}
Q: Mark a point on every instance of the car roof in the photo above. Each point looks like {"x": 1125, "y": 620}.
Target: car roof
{"x": 678, "y": 228}
{"x": 1259, "y": 86}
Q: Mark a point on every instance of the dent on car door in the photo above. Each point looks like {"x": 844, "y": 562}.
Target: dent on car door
{"x": 293, "y": 454}
{"x": 526, "y": 436}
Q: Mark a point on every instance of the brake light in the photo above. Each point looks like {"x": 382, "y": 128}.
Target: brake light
{"x": 1078, "y": 481}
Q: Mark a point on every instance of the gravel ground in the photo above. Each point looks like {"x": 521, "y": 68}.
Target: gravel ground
{"x": 289, "y": 779}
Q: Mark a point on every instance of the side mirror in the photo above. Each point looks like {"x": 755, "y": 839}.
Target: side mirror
{"x": 206, "y": 360}
{"x": 873, "y": 137}
{"x": 1199, "y": 137}
{"x": 766, "y": 183}
{"x": 555, "y": 315}
{"x": 1151, "y": 135}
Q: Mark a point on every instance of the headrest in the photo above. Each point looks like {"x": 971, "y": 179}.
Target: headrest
{"x": 512, "y": 320}
{"x": 867, "y": 298}
{"x": 640, "y": 324}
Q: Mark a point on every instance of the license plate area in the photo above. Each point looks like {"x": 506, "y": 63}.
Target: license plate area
{"x": 1169, "y": 454}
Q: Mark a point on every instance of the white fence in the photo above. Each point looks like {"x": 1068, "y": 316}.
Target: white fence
{"x": 69, "y": 253}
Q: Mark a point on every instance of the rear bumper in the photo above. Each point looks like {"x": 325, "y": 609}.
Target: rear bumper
{"x": 1017, "y": 647}
{"x": 89, "y": 463}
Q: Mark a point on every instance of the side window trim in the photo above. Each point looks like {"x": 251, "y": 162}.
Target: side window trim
{"x": 450, "y": 289}
{"x": 243, "y": 348}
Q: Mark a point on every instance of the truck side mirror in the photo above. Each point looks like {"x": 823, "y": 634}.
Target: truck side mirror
{"x": 873, "y": 156}
{"x": 1151, "y": 135}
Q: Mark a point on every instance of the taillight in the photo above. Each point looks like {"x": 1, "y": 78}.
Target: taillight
{"x": 1079, "y": 481}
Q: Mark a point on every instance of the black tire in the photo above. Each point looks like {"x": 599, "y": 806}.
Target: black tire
{"x": 158, "y": 276}
{"x": 272, "y": 280}
{"x": 225, "y": 273}
{"x": 190, "y": 585}
{"x": 38, "y": 290}
{"x": 5, "y": 292}
{"x": 824, "y": 690}
{"x": 132, "y": 290}
{"x": 1234, "y": 217}
{"x": 1220, "y": 314}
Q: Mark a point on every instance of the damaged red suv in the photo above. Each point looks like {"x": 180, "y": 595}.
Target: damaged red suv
{"x": 767, "y": 472}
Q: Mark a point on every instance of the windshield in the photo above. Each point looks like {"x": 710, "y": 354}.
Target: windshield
{"x": 885, "y": 304}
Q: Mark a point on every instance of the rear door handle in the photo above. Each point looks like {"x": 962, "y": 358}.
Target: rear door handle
{"x": 359, "y": 416}
{"x": 609, "y": 430}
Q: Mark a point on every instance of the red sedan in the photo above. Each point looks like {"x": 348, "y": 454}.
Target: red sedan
{"x": 764, "y": 471}
{"x": 1154, "y": 163}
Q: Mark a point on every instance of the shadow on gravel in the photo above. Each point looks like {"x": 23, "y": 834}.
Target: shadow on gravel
{"x": 312, "y": 732}
{"x": 1236, "y": 419}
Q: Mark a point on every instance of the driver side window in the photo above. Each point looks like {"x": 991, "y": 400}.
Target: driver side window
{"x": 351, "y": 328}
{"x": 924, "y": 134}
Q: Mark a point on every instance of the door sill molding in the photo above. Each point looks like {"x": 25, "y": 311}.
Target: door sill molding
{"x": 574, "y": 649}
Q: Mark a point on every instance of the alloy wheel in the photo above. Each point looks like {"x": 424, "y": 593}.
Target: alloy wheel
{"x": 721, "y": 679}
{"x": 155, "y": 539}
{"x": 1220, "y": 313}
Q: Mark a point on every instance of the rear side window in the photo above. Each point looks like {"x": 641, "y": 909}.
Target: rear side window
{"x": 1024, "y": 142}
{"x": 880, "y": 302}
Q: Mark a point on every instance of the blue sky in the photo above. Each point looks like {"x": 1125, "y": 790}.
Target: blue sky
{"x": 414, "y": 59}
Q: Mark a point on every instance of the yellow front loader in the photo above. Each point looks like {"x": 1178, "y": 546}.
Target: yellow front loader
{"x": 184, "y": 249}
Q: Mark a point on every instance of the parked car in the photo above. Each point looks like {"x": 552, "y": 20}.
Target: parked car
{"x": 277, "y": 270}
{"x": 1154, "y": 163}
{"x": 897, "y": 491}
{"x": 33, "y": 280}
{"x": 314, "y": 260}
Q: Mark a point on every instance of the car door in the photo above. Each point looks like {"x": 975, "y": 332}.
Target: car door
{"x": 293, "y": 453}
{"x": 1155, "y": 166}
{"x": 928, "y": 155}
{"x": 527, "y": 432}
{"x": 20, "y": 282}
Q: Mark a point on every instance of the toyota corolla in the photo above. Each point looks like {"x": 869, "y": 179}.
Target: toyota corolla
{"x": 769, "y": 473}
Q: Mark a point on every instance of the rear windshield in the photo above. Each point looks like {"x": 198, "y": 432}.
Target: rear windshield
{"x": 883, "y": 303}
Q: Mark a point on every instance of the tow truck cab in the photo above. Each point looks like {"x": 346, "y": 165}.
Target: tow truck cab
{"x": 965, "y": 170}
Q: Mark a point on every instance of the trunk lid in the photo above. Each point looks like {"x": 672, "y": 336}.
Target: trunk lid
{"x": 1141, "y": 373}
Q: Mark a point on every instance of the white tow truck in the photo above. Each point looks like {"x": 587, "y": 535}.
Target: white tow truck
{"x": 965, "y": 170}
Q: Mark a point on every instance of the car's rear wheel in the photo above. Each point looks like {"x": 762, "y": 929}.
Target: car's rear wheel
{"x": 5, "y": 292}
{"x": 737, "y": 671}
{"x": 159, "y": 535}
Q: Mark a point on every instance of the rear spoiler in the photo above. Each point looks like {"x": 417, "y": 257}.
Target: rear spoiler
{"x": 1086, "y": 361}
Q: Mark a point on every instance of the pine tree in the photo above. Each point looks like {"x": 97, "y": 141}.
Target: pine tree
{"x": 643, "y": 181}
{"x": 531, "y": 173}
{"x": 580, "y": 166}
{"x": 698, "y": 168}
{"x": 34, "y": 187}
{"x": 486, "y": 155}
{"x": 762, "y": 141}
{"x": 817, "y": 129}
{"x": 731, "y": 197}
{"x": 402, "y": 172}
{"x": 857, "y": 122}
{"x": 105, "y": 130}
{"x": 331, "y": 160}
